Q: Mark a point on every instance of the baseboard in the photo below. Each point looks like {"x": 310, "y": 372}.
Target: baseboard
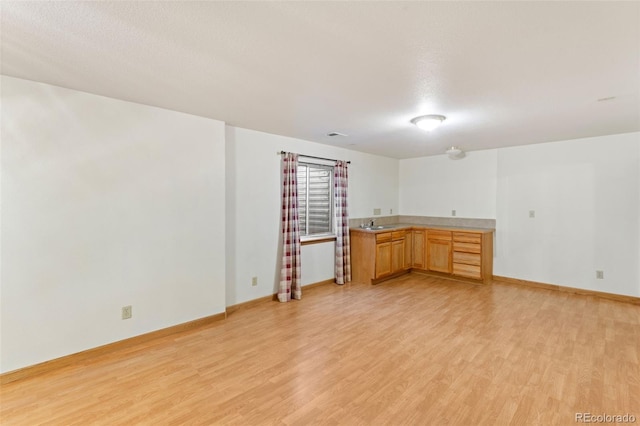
{"x": 319, "y": 283}
{"x": 233, "y": 308}
{"x": 274, "y": 297}
{"x": 375, "y": 281}
{"x": 611, "y": 296}
{"x": 447, "y": 276}
{"x": 57, "y": 363}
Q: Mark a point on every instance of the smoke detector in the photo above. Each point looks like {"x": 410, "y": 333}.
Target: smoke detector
{"x": 455, "y": 153}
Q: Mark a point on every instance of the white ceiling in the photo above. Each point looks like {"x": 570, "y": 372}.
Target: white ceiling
{"x": 504, "y": 73}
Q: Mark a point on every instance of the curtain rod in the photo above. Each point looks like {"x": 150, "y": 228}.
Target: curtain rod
{"x": 311, "y": 156}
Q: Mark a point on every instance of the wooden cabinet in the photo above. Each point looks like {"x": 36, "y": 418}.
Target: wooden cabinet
{"x": 383, "y": 265}
{"x": 418, "y": 257}
{"x": 439, "y": 251}
{"x": 377, "y": 256}
{"x": 380, "y": 255}
{"x": 390, "y": 253}
{"x": 383, "y": 259}
{"x": 397, "y": 255}
{"x": 408, "y": 250}
{"x": 473, "y": 255}
{"x": 398, "y": 250}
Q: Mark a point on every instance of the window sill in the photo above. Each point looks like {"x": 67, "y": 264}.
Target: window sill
{"x": 317, "y": 239}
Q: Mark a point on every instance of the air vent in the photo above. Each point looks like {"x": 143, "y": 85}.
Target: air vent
{"x": 333, "y": 134}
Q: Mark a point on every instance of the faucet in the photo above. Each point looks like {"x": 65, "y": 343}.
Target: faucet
{"x": 367, "y": 224}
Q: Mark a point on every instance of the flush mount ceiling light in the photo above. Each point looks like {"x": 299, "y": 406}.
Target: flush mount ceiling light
{"x": 455, "y": 153}
{"x": 428, "y": 122}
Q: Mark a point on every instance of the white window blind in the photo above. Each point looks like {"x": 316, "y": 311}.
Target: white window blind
{"x": 315, "y": 198}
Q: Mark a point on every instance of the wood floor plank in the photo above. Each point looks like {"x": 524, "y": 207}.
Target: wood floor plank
{"x": 415, "y": 350}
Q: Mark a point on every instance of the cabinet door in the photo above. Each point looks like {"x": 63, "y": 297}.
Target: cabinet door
{"x": 418, "y": 249}
{"x": 397, "y": 255}
{"x": 408, "y": 250}
{"x": 439, "y": 255}
{"x": 383, "y": 259}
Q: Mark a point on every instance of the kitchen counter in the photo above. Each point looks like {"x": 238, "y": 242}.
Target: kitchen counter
{"x": 407, "y": 226}
{"x": 380, "y": 253}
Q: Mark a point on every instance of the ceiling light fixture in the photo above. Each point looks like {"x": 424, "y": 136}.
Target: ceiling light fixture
{"x": 455, "y": 153}
{"x": 428, "y": 122}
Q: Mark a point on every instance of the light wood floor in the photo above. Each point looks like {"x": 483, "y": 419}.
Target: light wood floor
{"x": 416, "y": 351}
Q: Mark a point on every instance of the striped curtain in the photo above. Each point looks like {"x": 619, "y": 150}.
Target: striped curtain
{"x": 343, "y": 246}
{"x": 290, "y": 286}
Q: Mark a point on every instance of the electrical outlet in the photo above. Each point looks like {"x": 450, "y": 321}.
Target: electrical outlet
{"x": 126, "y": 312}
{"x": 390, "y": 211}
{"x": 254, "y": 281}
{"x": 453, "y": 212}
{"x": 532, "y": 214}
{"x": 600, "y": 275}
{"x": 377, "y": 212}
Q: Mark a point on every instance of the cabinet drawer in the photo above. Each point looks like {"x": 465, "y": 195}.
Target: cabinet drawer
{"x": 470, "y": 271}
{"x": 398, "y": 235}
{"x": 383, "y": 237}
{"x": 467, "y": 237}
{"x": 433, "y": 234}
{"x": 466, "y": 258}
{"x": 466, "y": 247}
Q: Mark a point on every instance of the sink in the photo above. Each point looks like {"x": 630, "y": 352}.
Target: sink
{"x": 373, "y": 228}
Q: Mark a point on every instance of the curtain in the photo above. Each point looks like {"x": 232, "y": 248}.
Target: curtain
{"x": 290, "y": 286}
{"x": 343, "y": 246}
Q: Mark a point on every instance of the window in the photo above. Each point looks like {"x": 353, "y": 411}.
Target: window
{"x": 315, "y": 199}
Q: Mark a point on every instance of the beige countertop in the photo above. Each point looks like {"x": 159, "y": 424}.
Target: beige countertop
{"x": 403, "y": 226}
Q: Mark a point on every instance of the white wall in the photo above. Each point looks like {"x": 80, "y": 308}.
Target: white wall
{"x": 587, "y": 213}
{"x": 253, "y": 212}
{"x": 105, "y": 203}
{"x": 433, "y": 186}
{"x": 586, "y": 198}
